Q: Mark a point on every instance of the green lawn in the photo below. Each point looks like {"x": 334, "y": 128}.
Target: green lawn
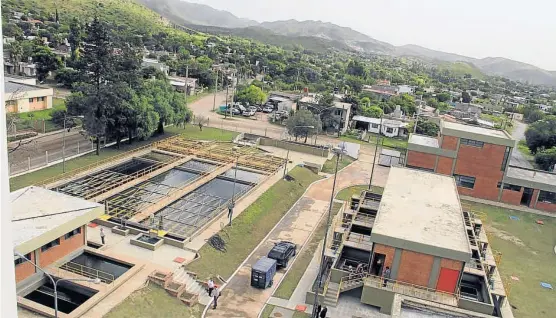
{"x": 370, "y": 141}
{"x": 330, "y": 165}
{"x": 57, "y": 104}
{"x": 347, "y": 193}
{"x": 522, "y": 147}
{"x": 252, "y": 225}
{"x": 289, "y": 283}
{"x": 153, "y": 301}
{"x": 190, "y": 131}
{"x": 267, "y": 311}
{"x": 527, "y": 253}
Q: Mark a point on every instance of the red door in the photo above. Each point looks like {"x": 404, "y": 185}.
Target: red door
{"x": 447, "y": 280}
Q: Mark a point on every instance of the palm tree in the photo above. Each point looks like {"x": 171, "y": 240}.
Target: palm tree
{"x": 16, "y": 53}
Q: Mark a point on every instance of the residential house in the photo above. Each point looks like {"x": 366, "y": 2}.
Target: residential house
{"x": 179, "y": 84}
{"x": 283, "y": 101}
{"x": 387, "y": 127}
{"x": 384, "y": 91}
{"x": 342, "y": 110}
{"x": 22, "y": 95}
{"x": 155, "y": 64}
{"x": 406, "y": 89}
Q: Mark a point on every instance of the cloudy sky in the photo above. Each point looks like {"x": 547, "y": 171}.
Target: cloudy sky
{"x": 517, "y": 29}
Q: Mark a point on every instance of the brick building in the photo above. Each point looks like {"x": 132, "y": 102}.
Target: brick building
{"x": 437, "y": 254}
{"x": 479, "y": 159}
{"x": 47, "y": 227}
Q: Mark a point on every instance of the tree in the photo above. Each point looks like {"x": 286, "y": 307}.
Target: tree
{"x": 443, "y": 97}
{"x": 16, "y": 53}
{"x": 75, "y": 38}
{"x": 251, "y": 94}
{"x": 546, "y": 159}
{"x": 365, "y": 101}
{"x": 67, "y": 77}
{"x": 372, "y": 111}
{"x": 46, "y": 61}
{"x": 167, "y": 103}
{"x": 425, "y": 127}
{"x": 325, "y": 99}
{"x": 466, "y": 98}
{"x": 302, "y": 118}
{"x": 541, "y": 134}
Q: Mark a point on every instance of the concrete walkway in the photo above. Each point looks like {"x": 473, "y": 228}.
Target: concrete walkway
{"x": 239, "y": 299}
{"x": 508, "y": 206}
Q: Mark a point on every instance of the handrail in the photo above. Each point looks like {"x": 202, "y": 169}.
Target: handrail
{"x": 86, "y": 271}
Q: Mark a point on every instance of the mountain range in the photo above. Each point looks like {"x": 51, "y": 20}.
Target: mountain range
{"x": 318, "y": 35}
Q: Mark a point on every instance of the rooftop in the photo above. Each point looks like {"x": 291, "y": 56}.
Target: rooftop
{"x": 532, "y": 175}
{"x": 13, "y": 87}
{"x": 420, "y": 211}
{"x": 423, "y": 140}
{"x": 476, "y": 130}
{"x": 40, "y": 215}
{"x": 385, "y": 122}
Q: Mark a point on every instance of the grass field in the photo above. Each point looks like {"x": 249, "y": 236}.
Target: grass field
{"x": 371, "y": 140}
{"x": 527, "y": 253}
{"x": 267, "y": 311}
{"x": 252, "y": 225}
{"x": 347, "y": 193}
{"x": 190, "y": 131}
{"x": 153, "y": 301}
{"x": 45, "y": 114}
{"x": 289, "y": 283}
{"x": 330, "y": 165}
{"x": 522, "y": 147}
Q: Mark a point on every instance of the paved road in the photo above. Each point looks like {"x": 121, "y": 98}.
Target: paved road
{"x": 33, "y": 152}
{"x": 239, "y": 299}
{"x": 518, "y": 159}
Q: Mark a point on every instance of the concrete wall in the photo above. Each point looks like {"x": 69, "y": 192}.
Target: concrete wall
{"x": 419, "y": 159}
{"x": 316, "y": 151}
{"x": 66, "y": 247}
{"x": 384, "y": 299}
{"x": 476, "y": 306}
{"x": 336, "y": 275}
{"x": 23, "y": 103}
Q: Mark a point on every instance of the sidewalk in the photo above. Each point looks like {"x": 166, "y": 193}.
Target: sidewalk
{"x": 508, "y": 206}
{"x": 239, "y": 299}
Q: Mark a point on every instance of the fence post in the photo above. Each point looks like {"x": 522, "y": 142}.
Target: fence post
{"x": 208, "y": 121}
{"x": 78, "y": 147}
{"x": 265, "y": 131}
{"x": 29, "y": 163}
{"x": 46, "y": 153}
{"x": 44, "y": 126}
{"x": 92, "y": 145}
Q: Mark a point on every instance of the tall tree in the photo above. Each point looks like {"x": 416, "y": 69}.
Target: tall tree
{"x": 298, "y": 124}
{"x": 75, "y": 38}
{"x": 466, "y": 97}
{"x": 46, "y": 61}
{"x": 546, "y": 159}
{"x": 541, "y": 134}
{"x": 16, "y": 53}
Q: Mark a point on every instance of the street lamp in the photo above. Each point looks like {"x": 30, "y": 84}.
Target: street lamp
{"x": 64, "y": 141}
{"x": 288, "y": 153}
{"x": 55, "y": 282}
{"x": 338, "y": 151}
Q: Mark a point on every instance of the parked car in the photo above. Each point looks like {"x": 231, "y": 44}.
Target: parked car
{"x": 282, "y": 252}
{"x": 258, "y": 108}
{"x": 268, "y": 109}
{"x": 281, "y": 114}
{"x": 253, "y": 108}
{"x": 235, "y": 111}
{"x": 248, "y": 113}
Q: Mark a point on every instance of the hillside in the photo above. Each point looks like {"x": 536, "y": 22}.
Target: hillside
{"x": 462, "y": 69}
{"x": 194, "y": 13}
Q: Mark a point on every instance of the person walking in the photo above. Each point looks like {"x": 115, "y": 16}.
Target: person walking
{"x": 323, "y": 312}
{"x": 386, "y": 275}
{"x": 210, "y": 285}
{"x": 319, "y": 308}
{"x": 102, "y": 235}
{"x": 215, "y": 298}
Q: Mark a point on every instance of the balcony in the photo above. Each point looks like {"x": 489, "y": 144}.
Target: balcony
{"x": 359, "y": 241}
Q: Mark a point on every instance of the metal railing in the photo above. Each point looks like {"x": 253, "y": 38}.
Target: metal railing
{"x": 89, "y": 272}
{"x": 360, "y": 239}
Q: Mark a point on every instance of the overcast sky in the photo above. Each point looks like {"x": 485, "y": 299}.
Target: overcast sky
{"x": 523, "y": 30}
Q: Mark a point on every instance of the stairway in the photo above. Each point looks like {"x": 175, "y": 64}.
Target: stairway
{"x": 192, "y": 286}
{"x": 352, "y": 284}
{"x": 332, "y": 294}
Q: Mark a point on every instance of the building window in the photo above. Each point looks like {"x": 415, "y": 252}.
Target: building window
{"x": 389, "y": 130}
{"x": 508, "y": 186}
{"x": 21, "y": 260}
{"x": 31, "y": 100}
{"x": 10, "y": 103}
{"x": 419, "y": 168}
{"x": 548, "y": 197}
{"x": 48, "y": 246}
{"x": 375, "y": 125}
{"x": 465, "y": 181}
{"x": 72, "y": 233}
{"x": 472, "y": 143}
{"x": 506, "y": 156}
{"x": 40, "y": 99}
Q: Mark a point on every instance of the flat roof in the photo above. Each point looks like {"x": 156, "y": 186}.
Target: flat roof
{"x": 13, "y": 87}
{"x": 420, "y": 211}
{"x": 476, "y": 130}
{"x": 423, "y": 140}
{"x": 536, "y": 179}
{"x": 40, "y": 215}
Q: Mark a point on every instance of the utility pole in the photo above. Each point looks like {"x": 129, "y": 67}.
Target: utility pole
{"x": 297, "y": 79}
{"x": 186, "y": 82}
{"x": 215, "y": 90}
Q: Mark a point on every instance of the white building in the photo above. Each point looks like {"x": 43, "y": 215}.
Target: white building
{"x": 406, "y": 89}
{"x": 22, "y": 95}
{"x": 342, "y": 110}
{"x": 156, "y": 64}
{"x": 388, "y": 127}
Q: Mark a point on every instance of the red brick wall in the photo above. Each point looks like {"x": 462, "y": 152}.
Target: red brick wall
{"x": 451, "y": 264}
{"x": 449, "y": 142}
{"x": 415, "y": 268}
{"x": 485, "y": 165}
{"x": 544, "y": 206}
{"x": 512, "y": 197}
{"x": 444, "y": 165}
{"x": 25, "y": 269}
{"x": 386, "y": 250}
{"x": 419, "y": 159}
{"x": 66, "y": 246}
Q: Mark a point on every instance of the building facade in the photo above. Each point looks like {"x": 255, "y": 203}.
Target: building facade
{"x": 22, "y": 97}
{"x": 479, "y": 160}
